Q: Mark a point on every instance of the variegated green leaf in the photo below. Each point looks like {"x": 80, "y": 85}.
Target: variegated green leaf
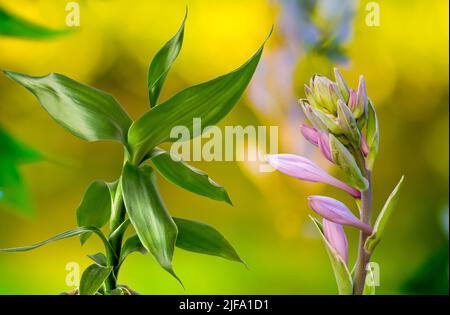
{"x": 186, "y": 176}
{"x": 86, "y": 112}
{"x": 148, "y": 214}
{"x": 93, "y": 278}
{"x": 95, "y": 207}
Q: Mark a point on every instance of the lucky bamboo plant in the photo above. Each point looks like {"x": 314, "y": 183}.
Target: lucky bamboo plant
{"x": 133, "y": 201}
{"x": 343, "y": 125}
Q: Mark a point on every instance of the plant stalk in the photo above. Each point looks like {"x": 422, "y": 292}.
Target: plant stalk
{"x": 363, "y": 258}
{"x": 117, "y": 217}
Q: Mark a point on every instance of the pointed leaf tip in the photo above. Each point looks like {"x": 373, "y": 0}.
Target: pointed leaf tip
{"x": 210, "y": 101}
{"x": 162, "y": 62}
{"x": 86, "y": 112}
{"x": 154, "y": 226}
{"x": 381, "y": 222}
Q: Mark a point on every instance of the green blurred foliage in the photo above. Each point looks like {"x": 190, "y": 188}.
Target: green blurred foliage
{"x": 406, "y": 68}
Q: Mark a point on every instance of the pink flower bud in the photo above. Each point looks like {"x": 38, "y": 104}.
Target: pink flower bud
{"x": 337, "y": 212}
{"x": 304, "y": 169}
{"x": 335, "y": 235}
{"x": 324, "y": 146}
{"x": 310, "y": 134}
{"x": 352, "y": 100}
{"x": 364, "y": 147}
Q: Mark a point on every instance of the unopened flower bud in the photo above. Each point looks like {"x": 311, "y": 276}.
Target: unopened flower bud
{"x": 305, "y": 169}
{"x": 335, "y": 235}
{"x": 352, "y": 100}
{"x": 322, "y": 95}
{"x": 361, "y": 105}
{"x": 342, "y": 85}
{"x": 309, "y": 133}
{"x": 324, "y": 146}
{"x": 337, "y": 212}
{"x": 348, "y": 123}
{"x": 345, "y": 160}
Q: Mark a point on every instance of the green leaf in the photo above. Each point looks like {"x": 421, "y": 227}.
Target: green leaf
{"x": 161, "y": 64}
{"x": 345, "y": 160}
{"x": 95, "y": 207}
{"x": 13, "y": 191}
{"x": 341, "y": 272}
{"x": 99, "y": 259}
{"x": 204, "y": 239}
{"x": 16, "y": 151}
{"x": 210, "y": 101}
{"x": 14, "y": 26}
{"x": 64, "y": 235}
{"x": 372, "y": 136}
{"x": 148, "y": 214}
{"x": 131, "y": 245}
{"x": 180, "y": 173}
{"x": 93, "y": 278}
{"x": 86, "y": 112}
{"x": 192, "y": 236}
{"x": 120, "y": 231}
{"x": 378, "y": 229}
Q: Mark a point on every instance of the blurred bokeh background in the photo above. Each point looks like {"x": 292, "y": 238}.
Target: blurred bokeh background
{"x": 405, "y": 63}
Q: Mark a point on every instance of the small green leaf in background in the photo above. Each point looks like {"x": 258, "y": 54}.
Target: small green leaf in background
{"x": 186, "y": 176}
{"x": 378, "y": 230}
{"x": 95, "y": 207}
{"x": 148, "y": 214}
{"x": 161, "y": 64}
{"x": 13, "y": 192}
{"x": 341, "y": 272}
{"x": 204, "y": 239}
{"x": 210, "y": 101}
{"x": 14, "y": 26}
{"x": 93, "y": 278}
{"x": 86, "y": 112}
{"x": 14, "y": 150}
{"x": 98, "y": 258}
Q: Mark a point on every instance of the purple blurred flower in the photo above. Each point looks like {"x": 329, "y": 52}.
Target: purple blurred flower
{"x": 304, "y": 169}
{"x": 337, "y": 212}
{"x": 335, "y": 235}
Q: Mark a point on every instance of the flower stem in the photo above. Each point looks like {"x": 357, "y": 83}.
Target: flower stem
{"x": 363, "y": 259}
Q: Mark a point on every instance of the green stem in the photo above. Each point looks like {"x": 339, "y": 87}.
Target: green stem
{"x": 117, "y": 217}
{"x": 363, "y": 256}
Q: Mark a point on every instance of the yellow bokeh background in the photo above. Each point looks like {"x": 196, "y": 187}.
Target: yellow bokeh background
{"x": 404, "y": 61}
